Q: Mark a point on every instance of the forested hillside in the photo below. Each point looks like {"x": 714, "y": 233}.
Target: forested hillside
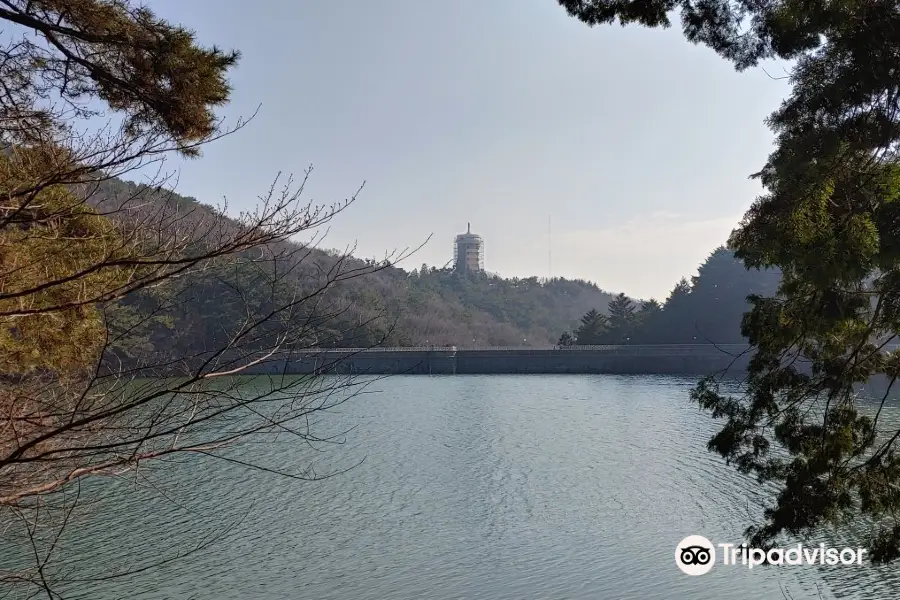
{"x": 708, "y": 308}
{"x": 372, "y": 305}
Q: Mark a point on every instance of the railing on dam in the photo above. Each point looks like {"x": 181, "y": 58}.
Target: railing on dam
{"x": 685, "y": 359}
{"x": 436, "y": 360}
{"x": 650, "y": 348}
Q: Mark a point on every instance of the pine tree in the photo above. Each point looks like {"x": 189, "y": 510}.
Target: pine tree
{"x": 621, "y": 320}
{"x": 829, "y": 220}
{"x": 593, "y": 326}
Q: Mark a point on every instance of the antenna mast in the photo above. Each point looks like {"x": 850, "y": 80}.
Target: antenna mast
{"x": 549, "y": 248}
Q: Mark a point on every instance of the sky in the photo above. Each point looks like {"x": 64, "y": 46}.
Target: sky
{"x": 631, "y": 147}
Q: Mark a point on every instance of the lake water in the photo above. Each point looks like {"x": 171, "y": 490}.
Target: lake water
{"x": 495, "y": 487}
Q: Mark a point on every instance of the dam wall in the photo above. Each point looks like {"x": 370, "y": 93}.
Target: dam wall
{"x": 693, "y": 359}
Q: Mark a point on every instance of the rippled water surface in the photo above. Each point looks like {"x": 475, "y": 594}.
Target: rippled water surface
{"x": 496, "y": 487}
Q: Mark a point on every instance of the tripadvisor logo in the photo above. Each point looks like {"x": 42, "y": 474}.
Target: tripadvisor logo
{"x": 696, "y": 555}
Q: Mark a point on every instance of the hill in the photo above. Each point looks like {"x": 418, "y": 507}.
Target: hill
{"x": 365, "y": 304}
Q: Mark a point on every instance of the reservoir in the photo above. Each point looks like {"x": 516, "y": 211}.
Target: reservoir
{"x": 450, "y": 487}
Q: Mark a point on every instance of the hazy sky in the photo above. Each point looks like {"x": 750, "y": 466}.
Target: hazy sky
{"x": 494, "y": 112}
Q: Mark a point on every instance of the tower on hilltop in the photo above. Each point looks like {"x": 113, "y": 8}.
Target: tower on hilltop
{"x": 468, "y": 252}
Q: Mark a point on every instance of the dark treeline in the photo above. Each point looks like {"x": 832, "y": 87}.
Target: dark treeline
{"x": 708, "y": 308}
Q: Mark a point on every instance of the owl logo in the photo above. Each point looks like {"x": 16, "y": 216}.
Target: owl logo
{"x": 695, "y": 555}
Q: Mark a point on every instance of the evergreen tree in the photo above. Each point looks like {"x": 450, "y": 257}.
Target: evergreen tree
{"x": 592, "y": 329}
{"x": 650, "y": 307}
{"x": 621, "y": 321}
{"x": 828, "y": 220}
{"x": 647, "y": 320}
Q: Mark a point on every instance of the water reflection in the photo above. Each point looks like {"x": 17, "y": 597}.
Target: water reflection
{"x": 498, "y": 487}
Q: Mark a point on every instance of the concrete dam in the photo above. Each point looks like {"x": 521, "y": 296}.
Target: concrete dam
{"x": 688, "y": 359}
